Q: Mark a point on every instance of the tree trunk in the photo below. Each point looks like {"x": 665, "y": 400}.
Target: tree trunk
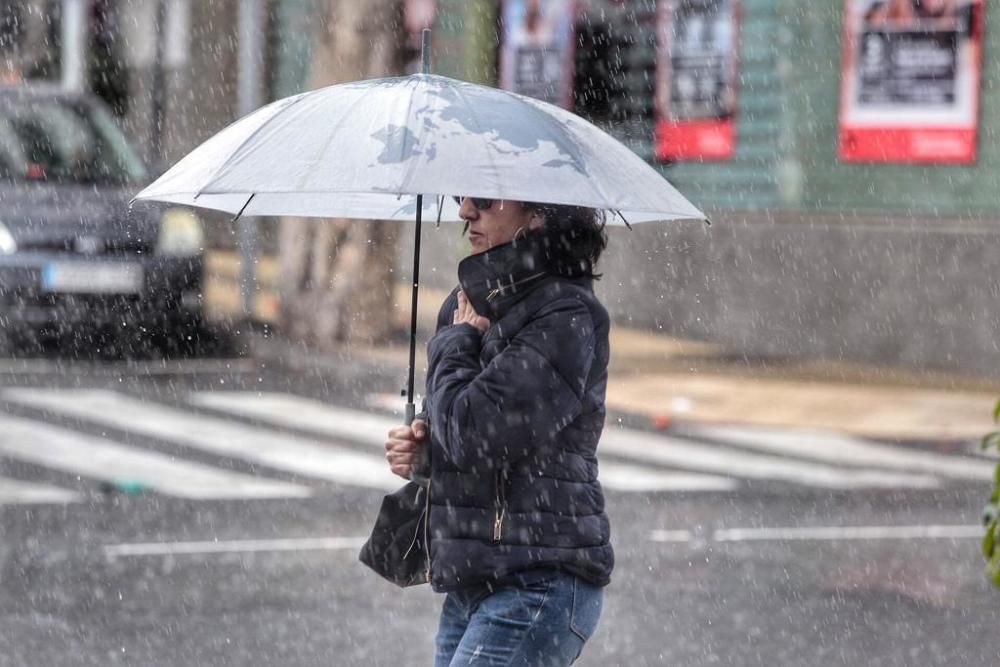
{"x": 337, "y": 275}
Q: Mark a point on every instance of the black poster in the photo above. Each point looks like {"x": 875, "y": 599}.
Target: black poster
{"x": 909, "y": 68}
{"x": 701, "y": 59}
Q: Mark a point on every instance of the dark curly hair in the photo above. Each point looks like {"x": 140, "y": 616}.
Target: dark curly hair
{"x": 575, "y": 235}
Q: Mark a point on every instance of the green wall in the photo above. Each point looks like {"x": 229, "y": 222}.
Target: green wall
{"x": 465, "y": 40}
{"x": 786, "y": 155}
{"x": 750, "y": 178}
{"x": 814, "y": 34}
{"x": 291, "y": 35}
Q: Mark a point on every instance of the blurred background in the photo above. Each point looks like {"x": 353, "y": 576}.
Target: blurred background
{"x": 753, "y": 109}
{"x": 193, "y": 408}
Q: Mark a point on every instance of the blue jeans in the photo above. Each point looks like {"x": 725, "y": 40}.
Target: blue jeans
{"x": 545, "y": 622}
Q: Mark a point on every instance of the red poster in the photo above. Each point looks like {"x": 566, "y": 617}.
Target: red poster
{"x": 696, "y": 79}
{"x": 910, "y": 80}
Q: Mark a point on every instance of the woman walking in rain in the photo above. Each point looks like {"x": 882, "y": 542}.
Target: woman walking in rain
{"x": 514, "y": 408}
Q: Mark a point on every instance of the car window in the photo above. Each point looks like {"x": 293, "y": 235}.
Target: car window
{"x": 59, "y": 141}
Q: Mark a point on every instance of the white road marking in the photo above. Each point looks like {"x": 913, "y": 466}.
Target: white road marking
{"x": 702, "y": 466}
{"x": 293, "y": 411}
{"x": 826, "y": 533}
{"x": 842, "y": 449}
{"x": 837, "y": 533}
{"x": 671, "y": 451}
{"x": 303, "y": 413}
{"x": 634, "y": 478}
{"x": 14, "y": 491}
{"x": 114, "y": 368}
{"x": 76, "y": 453}
{"x": 661, "y": 535}
{"x": 296, "y": 412}
{"x": 232, "y": 546}
{"x": 278, "y": 450}
{"x": 817, "y": 533}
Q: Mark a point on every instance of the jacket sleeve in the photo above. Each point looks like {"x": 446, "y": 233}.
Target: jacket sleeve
{"x": 521, "y": 400}
{"x": 444, "y": 318}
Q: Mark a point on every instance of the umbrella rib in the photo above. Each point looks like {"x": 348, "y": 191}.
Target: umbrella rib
{"x": 228, "y": 161}
{"x": 623, "y": 219}
{"x": 240, "y": 213}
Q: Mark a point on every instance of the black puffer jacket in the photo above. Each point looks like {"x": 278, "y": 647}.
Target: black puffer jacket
{"x": 515, "y": 416}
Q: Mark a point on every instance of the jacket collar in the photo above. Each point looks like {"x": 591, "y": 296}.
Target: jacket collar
{"x": 498, "y": 278}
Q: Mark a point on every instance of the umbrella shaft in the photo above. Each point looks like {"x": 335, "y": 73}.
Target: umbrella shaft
{"x": 410, "y": 410}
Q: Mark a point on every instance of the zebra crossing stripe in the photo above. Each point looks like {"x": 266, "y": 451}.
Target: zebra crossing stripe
{"x": 623, "y": 477}
{"x": 92, "y": 457}
{"x": 14, "y": 491}
{"x": 113, "y": 551}
{"x": 282, "y": 451}
{"x": 298, "y": 412}
{"x": 290, "y": 410}
{"x": 671, "y": 451}
{"x": 293, "y": 411}
{"x": 836, "y": 448}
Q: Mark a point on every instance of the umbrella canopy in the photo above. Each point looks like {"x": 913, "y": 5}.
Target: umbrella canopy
{"x": 365, "y": 150}
{"x": 395, "y": 148}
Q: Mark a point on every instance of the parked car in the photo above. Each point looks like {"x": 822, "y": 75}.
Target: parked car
{"x": 76, "y": 262}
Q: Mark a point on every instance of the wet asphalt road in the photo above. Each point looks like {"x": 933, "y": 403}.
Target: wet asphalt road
{"x": 698, "y": 580}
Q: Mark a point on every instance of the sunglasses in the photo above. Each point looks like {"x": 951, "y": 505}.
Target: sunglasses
{"x": 480, "y": 203}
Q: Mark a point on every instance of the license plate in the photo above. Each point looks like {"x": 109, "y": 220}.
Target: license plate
{"x": 80, "y": 278}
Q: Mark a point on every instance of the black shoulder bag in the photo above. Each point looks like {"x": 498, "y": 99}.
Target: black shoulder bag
{"x": 397, "y": 549}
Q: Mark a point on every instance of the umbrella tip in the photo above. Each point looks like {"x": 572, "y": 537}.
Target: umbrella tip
{"x": 425, "y": 51}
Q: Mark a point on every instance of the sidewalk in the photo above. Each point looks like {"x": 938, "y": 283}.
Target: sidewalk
{"x": 672, "y": 381}
{"x": 833, "y": 397}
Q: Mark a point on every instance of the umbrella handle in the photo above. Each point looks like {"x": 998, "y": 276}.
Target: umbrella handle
{"x": 421, "y": 471}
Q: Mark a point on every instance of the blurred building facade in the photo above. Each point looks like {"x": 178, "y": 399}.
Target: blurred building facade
{"x": 815, "y": 256}
{"x": 810, "y": 255}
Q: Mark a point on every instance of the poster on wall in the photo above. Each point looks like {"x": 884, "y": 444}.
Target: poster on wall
{"x": 910, "y": 81}
{"x": 536, "y": 57}
{"x": 696, "y": 79}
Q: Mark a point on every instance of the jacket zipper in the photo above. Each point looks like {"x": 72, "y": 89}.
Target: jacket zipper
{"x": 427, "y": 520}
{"x": 503, "y": 288}
{"x": 501, "y": 508}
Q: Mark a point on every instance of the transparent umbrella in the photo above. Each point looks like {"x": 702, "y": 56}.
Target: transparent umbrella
{"x": 395, "y": 148}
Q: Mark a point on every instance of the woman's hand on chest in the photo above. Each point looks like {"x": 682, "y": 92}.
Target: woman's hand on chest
{"x": 466, "y": 314}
